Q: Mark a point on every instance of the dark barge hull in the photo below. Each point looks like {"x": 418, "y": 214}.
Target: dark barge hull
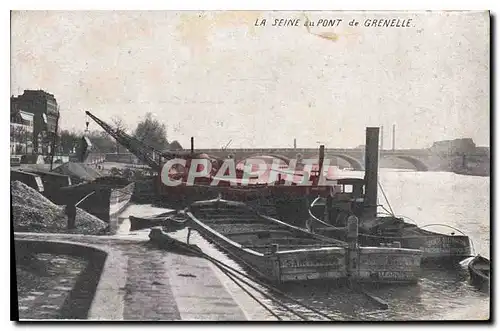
{"x": 276, "y": 267}
{"x": 289, "y": 203}
{"x": 167, "y": 221}
{"x": 108, "y": 199}
{"x": 299, "y": 255}
{"x": 436, "y": 247}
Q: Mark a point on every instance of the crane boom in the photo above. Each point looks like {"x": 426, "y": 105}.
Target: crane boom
{"x": 147, "y": 154}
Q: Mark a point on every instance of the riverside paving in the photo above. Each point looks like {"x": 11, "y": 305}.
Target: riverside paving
{"x": 140, "y": 282}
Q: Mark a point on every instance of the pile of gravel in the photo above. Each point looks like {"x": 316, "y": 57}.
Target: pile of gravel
{"x": 32, "y": 212}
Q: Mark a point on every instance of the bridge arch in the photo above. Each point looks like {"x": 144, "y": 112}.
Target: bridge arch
{"x": 277, "y": 156}
{"x": 214, "y": 157}
{"x": 419, "y": 165}
{"x": 355, "y": 164}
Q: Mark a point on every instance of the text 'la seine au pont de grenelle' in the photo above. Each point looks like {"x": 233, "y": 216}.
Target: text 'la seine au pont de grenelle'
{"x": 324, "y": 22}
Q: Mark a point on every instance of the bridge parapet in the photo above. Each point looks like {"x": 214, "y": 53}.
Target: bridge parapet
{"x": 420, "y": 159}
{"x": 310, "y": 151}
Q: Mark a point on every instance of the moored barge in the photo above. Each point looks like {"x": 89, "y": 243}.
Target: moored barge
{"x": 279, "y": 252}
{"x": 104, "y": 197}
{"x": 359, "y": 196}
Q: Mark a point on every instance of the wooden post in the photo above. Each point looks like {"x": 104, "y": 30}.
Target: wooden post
{"x": 321, "y": 159}
{"x": 276, "y": 261}
{"x": 371, "y": 172}
{"x": 352, "y": 249}
{"x": 70, "y": 211}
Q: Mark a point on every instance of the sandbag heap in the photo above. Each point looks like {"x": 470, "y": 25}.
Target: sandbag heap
{"x": 32, "y": 212}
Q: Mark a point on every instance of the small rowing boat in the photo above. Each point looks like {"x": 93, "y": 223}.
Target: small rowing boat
{"x": 479, "y": 270}
{"x": 169, "y": 221}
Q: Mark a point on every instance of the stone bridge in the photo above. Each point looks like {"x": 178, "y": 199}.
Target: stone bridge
{"x": 418, "y": 159}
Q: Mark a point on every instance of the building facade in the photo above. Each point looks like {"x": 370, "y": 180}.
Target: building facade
{"x": 454, "y": 147}
{"x": 45, "y": 112}
{"x": 21, "y": 132}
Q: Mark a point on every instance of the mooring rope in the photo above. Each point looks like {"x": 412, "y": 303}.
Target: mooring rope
{"x": 385, "y": 197}
{"x": 231, "y": 275}
{"x": 315, "y": 219}
{"x": 208, "y": 257}
{"x": 439, "y": 224}
{"x": 387, "y": 212}
{"x": 233, "y": 278}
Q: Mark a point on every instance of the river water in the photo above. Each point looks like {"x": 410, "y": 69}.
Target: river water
{"x": 442, "y": 198}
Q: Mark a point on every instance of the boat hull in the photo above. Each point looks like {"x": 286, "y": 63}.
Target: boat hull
{"x": 478, "y": 280}
{"x": 388, "y": 265}
{"x": 437, "y": 247}
{"x": 479, "y": 271}
{"x": 263, "y": 267}
{"x": 291, "y": 261}
{"x": 286, "y": 266}
{"x": 321, "y": 264}
{"x": 166, "y": 222}
{"x": 288, "y": 263}
{"x": 104, "y": 203}
{"x": 280, "y": 201}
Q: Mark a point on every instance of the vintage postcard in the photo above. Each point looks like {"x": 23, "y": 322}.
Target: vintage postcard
{"x": 250, "y": 165}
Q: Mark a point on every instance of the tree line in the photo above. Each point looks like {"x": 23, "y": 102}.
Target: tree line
{"x": 149, "y": 130}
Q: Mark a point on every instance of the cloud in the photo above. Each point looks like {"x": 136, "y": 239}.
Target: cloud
{"x": 196, "y": 68}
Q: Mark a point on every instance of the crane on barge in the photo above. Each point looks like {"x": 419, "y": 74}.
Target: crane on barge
{"x": 151, "y": 156}
{"x": 287, "y": 201}
{"x": 155, "y": 158}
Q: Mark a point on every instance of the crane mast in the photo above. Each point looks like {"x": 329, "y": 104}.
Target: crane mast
{"x": 147, "y": 154}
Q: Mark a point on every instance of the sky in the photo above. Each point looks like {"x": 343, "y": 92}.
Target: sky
{"x": 218, "y": 77}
